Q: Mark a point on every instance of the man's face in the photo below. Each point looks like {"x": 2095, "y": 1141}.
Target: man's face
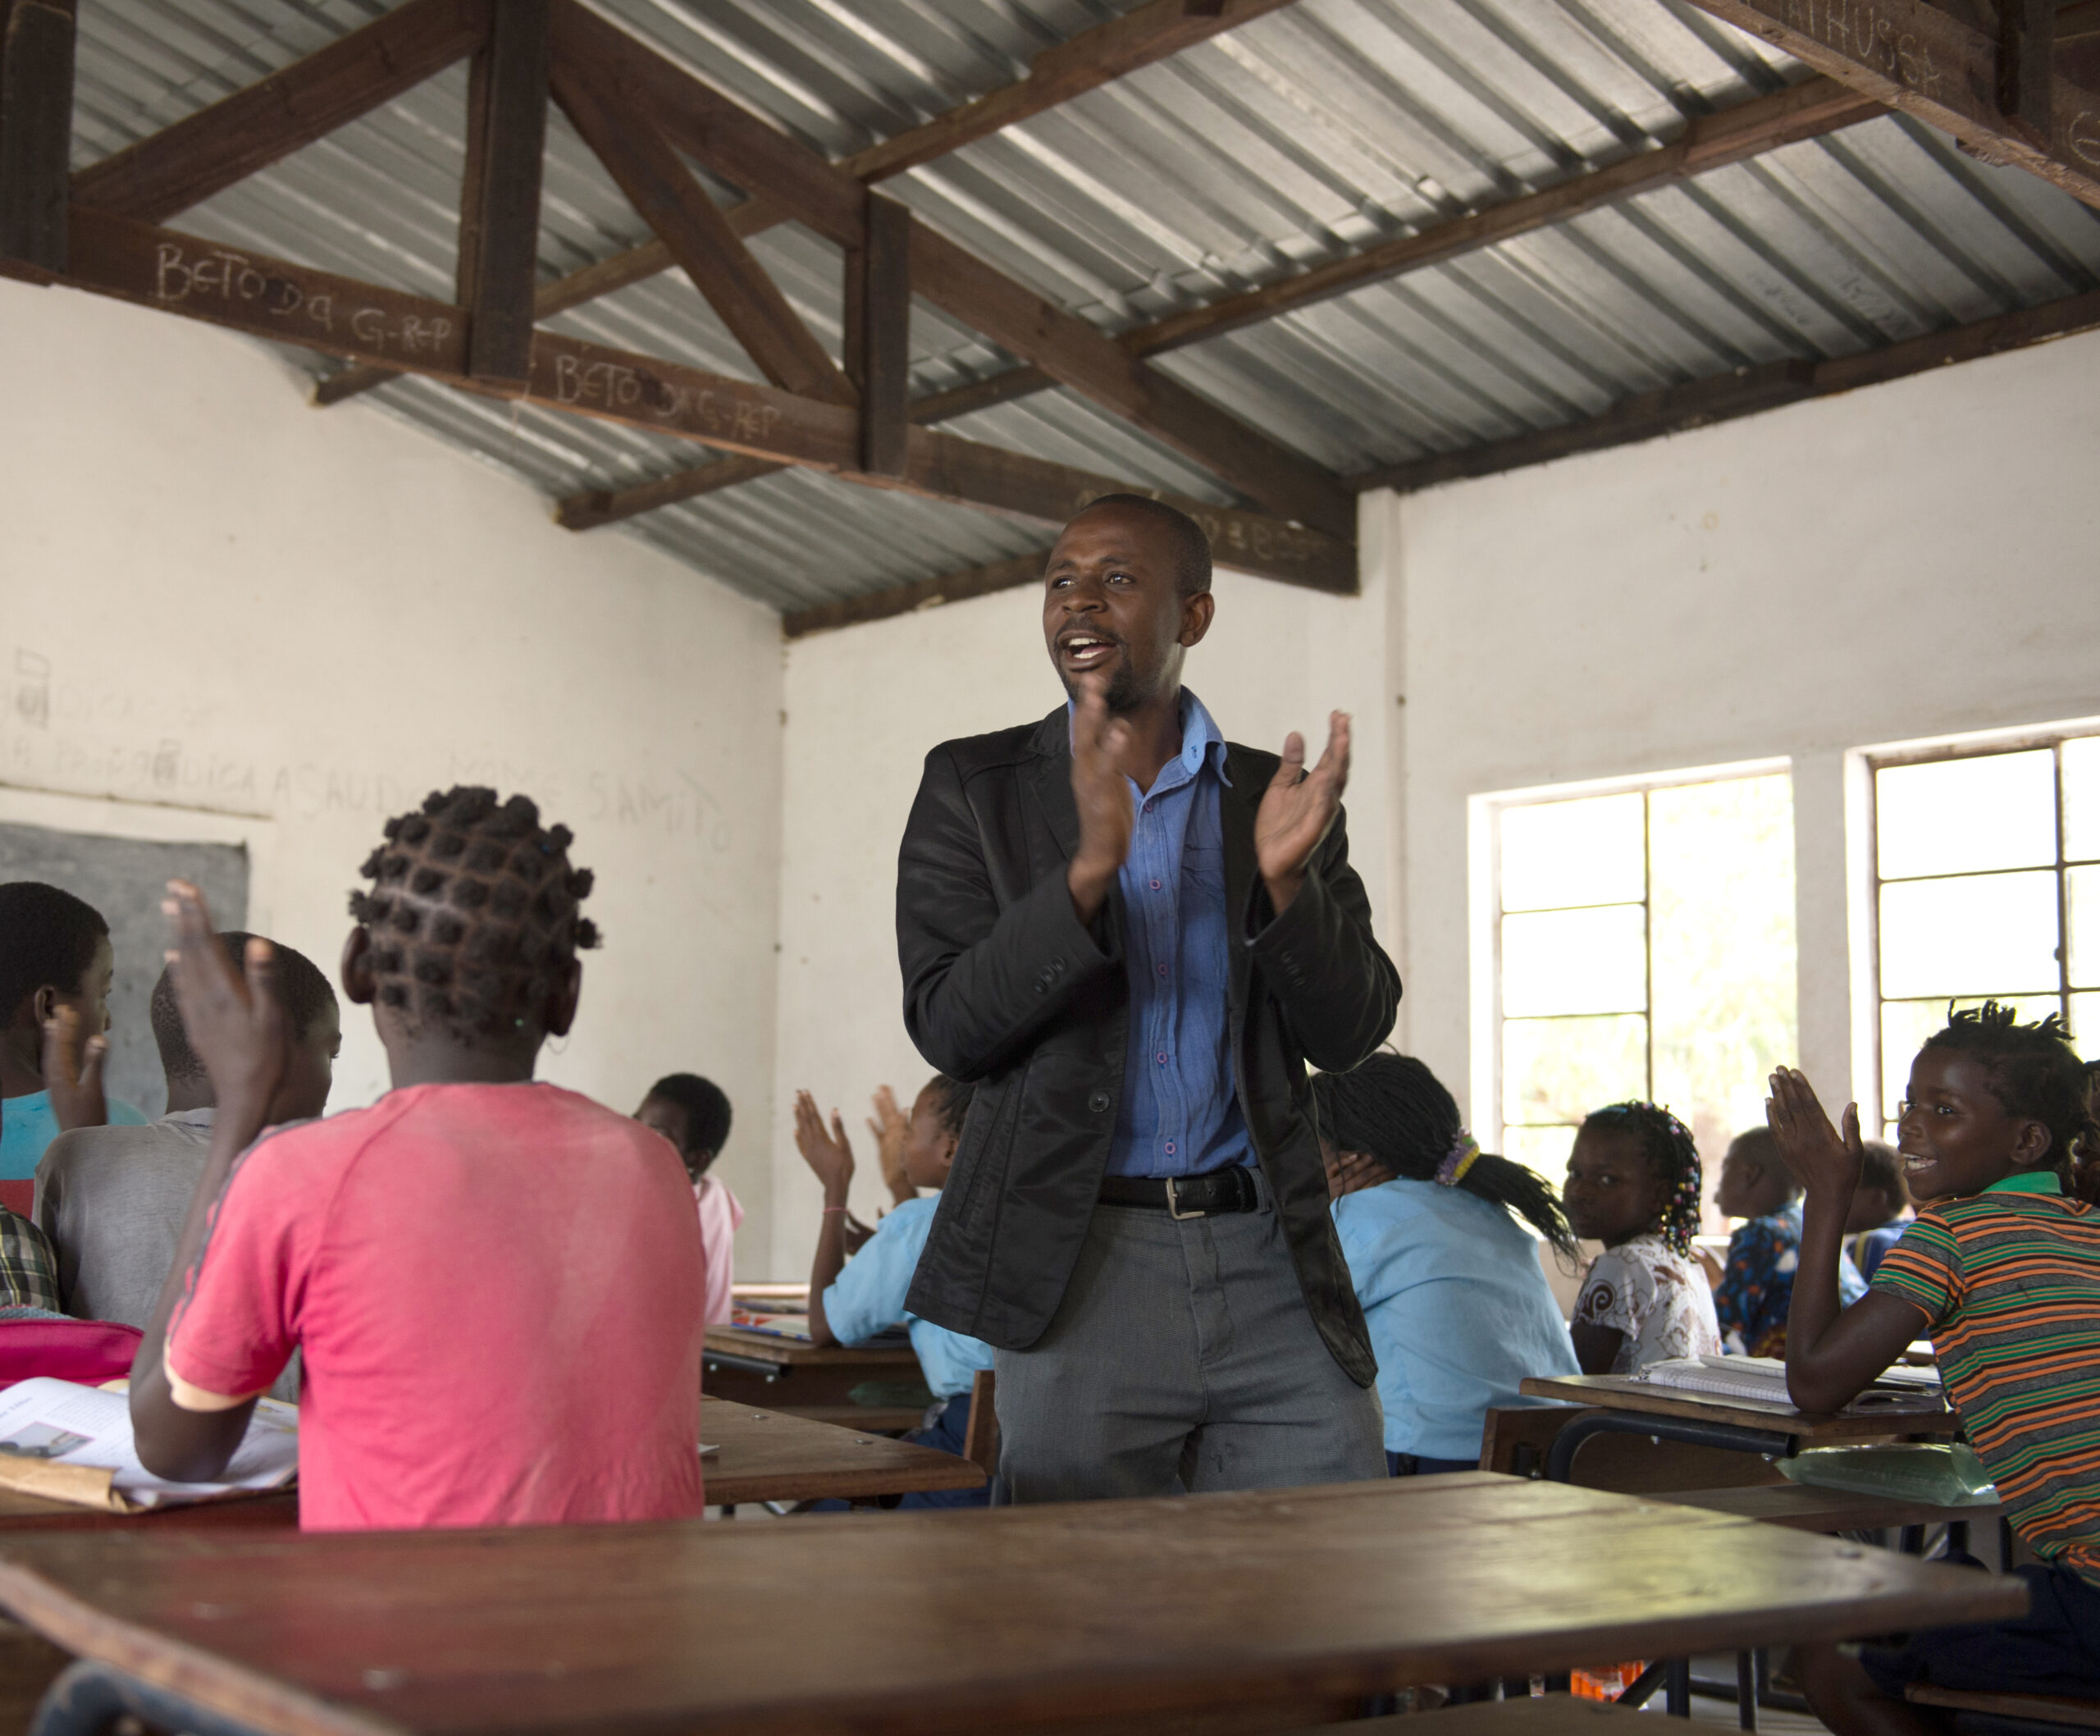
{"x": 303, "y": 1093}
{"x": 1112, "y": 607}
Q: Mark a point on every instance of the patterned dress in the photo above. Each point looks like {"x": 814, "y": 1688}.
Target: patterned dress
{"x": 1659, "y": 1300}
{"x": 1757, "y": 1291}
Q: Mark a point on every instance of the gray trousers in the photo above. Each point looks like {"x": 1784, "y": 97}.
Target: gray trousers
{"x": 1182, "y": 1357}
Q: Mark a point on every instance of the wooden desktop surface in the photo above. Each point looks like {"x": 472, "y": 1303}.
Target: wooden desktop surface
{"x": 1906, "y": 1416}
{"x": 1219, "y": 1606}
{"x": 766, "y": 1455}
{"x": 793, "y": 1353}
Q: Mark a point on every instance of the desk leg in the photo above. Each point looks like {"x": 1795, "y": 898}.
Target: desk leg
{"x": 89, "y": 1697}
{"x": 1746, "y": 1691}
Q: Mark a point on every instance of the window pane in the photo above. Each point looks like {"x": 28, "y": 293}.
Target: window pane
{"x": 1997, "y": 811}
{"x": 1544, "y": 1148}
{"x": 1721, "y": 867}
{"x": 2082, "y": 799}
{"x": 1994, "y": 934}
{"x": 1558, "y": 1070}
{"x": 2085, "y": 1026}
{"x": 1905, "y": 1026}
{"x": 1575, "y": 960}
{"x": 1559, "y": 853}
{"x": 2082, "y": 906}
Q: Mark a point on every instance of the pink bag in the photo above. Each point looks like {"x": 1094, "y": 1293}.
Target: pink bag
{"x": 88, "y": 1351}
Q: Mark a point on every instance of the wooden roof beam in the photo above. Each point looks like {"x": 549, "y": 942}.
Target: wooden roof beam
{"x": 925, "y": 593}
{"x": 693, "y": 228}
{"x": 499, "y": 195}
{"x": 36, "y": 130}
{"x": 1747, "y": 391}
{"x": 1943, "y": 70}
{"x": 766, "y": 162}
{"x": 242, "y": 291}
{"x": 185, "y": 164}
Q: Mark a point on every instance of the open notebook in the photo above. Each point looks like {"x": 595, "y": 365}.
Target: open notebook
{"x": 73, "y": 1443}
{"x": 1763, "y": 1379}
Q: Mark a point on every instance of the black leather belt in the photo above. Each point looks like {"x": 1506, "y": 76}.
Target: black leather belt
{"x": 1187, "y": 1196}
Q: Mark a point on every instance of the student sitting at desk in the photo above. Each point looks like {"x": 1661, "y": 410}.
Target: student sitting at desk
{"x": 1633, "y": 1181}
{"x": 1757, "y": 1283}
{"x": 2001, "y": 1271}
{"x": 56, "y": 965}
{"x": 112, "y": 1200}
{"x": 1881, "y": 1207}
{"x": 1460, "y": 1311}
{"x": 693, "y": 1114}
{"x": 850, "y": 1301}
{"x": 497, "y": 1284}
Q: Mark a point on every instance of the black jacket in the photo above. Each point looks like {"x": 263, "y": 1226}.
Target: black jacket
{"x": 1004, "y": 987}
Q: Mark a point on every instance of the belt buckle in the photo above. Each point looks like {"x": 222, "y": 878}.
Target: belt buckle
{"x": 1174, "y": 1203}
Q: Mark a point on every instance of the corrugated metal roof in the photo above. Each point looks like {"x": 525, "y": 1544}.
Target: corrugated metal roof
{"x": 1324, "y": 128}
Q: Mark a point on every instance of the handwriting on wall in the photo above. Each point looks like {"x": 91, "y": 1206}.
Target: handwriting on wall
{"x": 1861, "y": 31}
{"x": 74, "y": 741}
{"x": 636, "y": 392}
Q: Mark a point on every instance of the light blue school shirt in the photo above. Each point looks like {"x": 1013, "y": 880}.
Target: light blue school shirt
{"x": 1458, "y": 1311}
{"x": 1180, "y": 1114}
{"x": 869, "y": 1296}
{"x": 27, "y": 1125}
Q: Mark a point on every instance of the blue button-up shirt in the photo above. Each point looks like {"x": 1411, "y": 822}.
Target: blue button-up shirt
{"x": 1180, "y": 1115}
{"x": 870, "y": 1295}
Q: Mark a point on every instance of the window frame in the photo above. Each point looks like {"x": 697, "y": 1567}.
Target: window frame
{"x": 1488, "y": 1077}
{"x": 1994, "y": 745}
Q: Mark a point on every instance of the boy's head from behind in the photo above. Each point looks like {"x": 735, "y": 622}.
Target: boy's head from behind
{"x": 1991, "y": 1098}
{"x": 1634, "y": 1168}
{"x": 1755, "y": 1181}
{"x": 54, "y": 952}
{"x": 316, "y": 1024}
{"x": 693, "y": 1113}
{"x": 935, "y": 1130}
{"x": 466, "y": 943}
{"x": 1881, "y": 1197}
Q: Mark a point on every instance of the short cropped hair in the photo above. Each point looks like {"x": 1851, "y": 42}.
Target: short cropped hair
{"x": 1762, "y": 1144}
{"x": 1192, "y": 548}
{"x": 1881, "y": 1165}
{"x": 302, "y": 988}
{"x": 48, "y": 936}
{"x": 707, "y": 1110}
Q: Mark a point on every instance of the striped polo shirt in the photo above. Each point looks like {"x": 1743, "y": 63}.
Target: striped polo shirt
{"x": 2009, "y": 1281}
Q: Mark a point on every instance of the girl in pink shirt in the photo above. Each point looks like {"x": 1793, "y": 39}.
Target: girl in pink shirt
{"x": 693, "y": 1113}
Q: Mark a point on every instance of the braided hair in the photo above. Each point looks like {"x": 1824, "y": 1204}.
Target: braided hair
{"x": 1675, "y": 1155}
{"x": 2033, "y": 1071}
{"x": 1393, "y": 1108}
{"x": 472, "y": 912}
{"x": 950, "y": 1102}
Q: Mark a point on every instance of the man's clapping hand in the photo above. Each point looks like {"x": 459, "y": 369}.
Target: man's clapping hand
{"x": 1101, "y": 790}
{"x": 1296, "y": 810}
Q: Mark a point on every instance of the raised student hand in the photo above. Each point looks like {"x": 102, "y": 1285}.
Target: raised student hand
{"x": 1298, "y": 809}
{"x": 234, "y": 1019}
{"x": 891, "y": 1130}
{"x": 1823, "y": 1161}
{"x": 1101, "y": 791}
{"x": 830, "y": 1155}
{"x": 72, "y": 1071}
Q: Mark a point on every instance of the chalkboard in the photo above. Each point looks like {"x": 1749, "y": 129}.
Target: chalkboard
{"x": 125, "y": 878}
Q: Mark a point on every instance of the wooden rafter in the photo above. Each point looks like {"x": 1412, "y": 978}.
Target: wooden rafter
{"x": 696, "y": 234}
{"x": 925, "y": 593}
{"x": 1747, "y": 391}
{"x": 36, "y": 130}
{"x": 880, "y": 272}
{"x": 499, "y": 195}
{"x": 766, "y": 162}
{"x": 1804, "y": 110}
{"x": 1940, "y": 68}
{"x": 185, "y": 164}
{"x": 233, "y": 288}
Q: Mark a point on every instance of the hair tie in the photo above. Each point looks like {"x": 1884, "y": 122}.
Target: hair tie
{"x": 1452, "y": 1171}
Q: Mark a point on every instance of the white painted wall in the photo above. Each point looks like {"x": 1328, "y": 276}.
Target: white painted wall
{"x": 1918, "y": 559}
{"x": 865, "y": 704}
{"x": 235, "y": 604}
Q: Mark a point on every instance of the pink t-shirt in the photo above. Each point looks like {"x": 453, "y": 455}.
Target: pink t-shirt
{"x": 498, "y": 1290}
{"x": 719, "y": 1216}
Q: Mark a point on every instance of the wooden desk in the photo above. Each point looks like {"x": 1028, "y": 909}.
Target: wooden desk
{"x": 766, "y": 1455}
{"x": 1225, "y": 1607}
{"x": 757, "y": 1368}
{"x": 1906, "y": 1416}
{"x": 1806, "y": 1507}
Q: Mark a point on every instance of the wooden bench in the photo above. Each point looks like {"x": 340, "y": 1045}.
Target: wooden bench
{"x": 2014, "y": 1708}
{"x": 1804, "y": 1508}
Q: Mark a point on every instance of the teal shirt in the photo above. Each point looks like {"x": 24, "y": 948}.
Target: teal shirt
{"x": 27, "y": 1125}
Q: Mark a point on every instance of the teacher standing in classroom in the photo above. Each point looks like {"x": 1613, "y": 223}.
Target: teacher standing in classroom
{"x": 1132, "y": 935}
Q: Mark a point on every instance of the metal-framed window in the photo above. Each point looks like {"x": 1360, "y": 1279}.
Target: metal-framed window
{"x": 1984, "y": 875}
{"x": 1639, "y": 942}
